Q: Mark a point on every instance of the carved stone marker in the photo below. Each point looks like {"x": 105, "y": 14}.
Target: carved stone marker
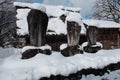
{"x": 92, "y": 33}
{"x": 37, "y": 26}
{"x": 73, "y": 36}
{"x": 73, "y": 33}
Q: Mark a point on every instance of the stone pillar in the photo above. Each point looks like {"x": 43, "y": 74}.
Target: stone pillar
{"x": 37, "y": 26}
{"x": 73, "y": 33}
{"x": 73, "y": 36}
{"x": 92, "y": 33}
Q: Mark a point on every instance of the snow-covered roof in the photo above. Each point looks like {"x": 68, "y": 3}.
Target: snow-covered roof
{"x": 31, "y": 5}
{"x": 102, "y": 23}
{"x": 55, "y": 24}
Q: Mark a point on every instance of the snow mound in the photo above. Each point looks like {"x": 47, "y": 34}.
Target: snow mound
{"x": 43, "y": 65}
{"x": 74, "y": 17}
{"x": 63, "y": 46}
{"x": 33, "y": 47}
{"x": 37, "y": 6}
{"x": 97, "y": 44}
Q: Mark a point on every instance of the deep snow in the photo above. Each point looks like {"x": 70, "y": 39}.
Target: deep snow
{"x": 44, "y": 65}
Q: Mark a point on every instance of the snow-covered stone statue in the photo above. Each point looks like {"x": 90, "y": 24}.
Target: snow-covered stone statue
{"x": 91, "y": 46}
{"x": 73, "y": 22}
{"x": 37, "y": 26}
{"x": 33, "y": 20}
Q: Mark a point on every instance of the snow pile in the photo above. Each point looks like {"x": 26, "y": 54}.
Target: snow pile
{"x": 73, "y": 9}
{"x": 102, "y": 23}
{"x": 63, "y": 46}
{"x": 97, "y": 44}
{"x": 55, "y": 24}
{"x": 55, "y": 11}
{"x": 33, "y": 47}
{"x": 74, "y": 17}
{"x": 115, "y": 75}
{"x": 31, "y": 5}
{"x": 43, "y": 65}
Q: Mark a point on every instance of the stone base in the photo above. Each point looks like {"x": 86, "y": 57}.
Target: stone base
{"x": 70, "y": 51}
{"x": 91, "y": 49}
{"x": 32, "y": 52}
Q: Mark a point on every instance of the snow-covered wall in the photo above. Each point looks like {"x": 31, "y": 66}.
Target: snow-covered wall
{"x": 55, "y": 24}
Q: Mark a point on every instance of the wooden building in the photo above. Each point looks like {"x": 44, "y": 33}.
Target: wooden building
{"x": 108, "y": 33}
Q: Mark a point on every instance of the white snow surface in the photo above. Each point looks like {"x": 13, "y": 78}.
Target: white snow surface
{"x": 97, "y": 44}
{"x": 54, "y": 24}
{"x": 45, "y": 65}
{"x": 102, "y": 23}
{"x": 57, "y": 25}
{"x": 63, "y": 46}
{"x": 74, "y": 17}
{"x": 33, "y": 47}
{"x": 31, "y": 5}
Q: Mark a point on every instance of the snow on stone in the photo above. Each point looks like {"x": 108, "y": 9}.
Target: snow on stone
{"x": 74, "y": 9}
{"x": 74, "y": 17}
{"x": 31, "y": 5}
{"x": 102, "y": 23}
{"x": 45, "y": 65}
{"x": 63, "y": 46}
{"x": 97, "y": 44}
{"x": 33, "y": 47}
{"x": 55, "y": 11}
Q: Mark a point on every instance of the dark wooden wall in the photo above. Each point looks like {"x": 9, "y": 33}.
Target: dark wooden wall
{"x": 109, "y": 37}
{"x": 56, "y": 40}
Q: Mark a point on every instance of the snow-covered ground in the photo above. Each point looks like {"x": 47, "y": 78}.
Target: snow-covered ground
{"x": 14, "y": 68}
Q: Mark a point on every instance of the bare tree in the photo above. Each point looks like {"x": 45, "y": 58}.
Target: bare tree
{"x": 107, "y": 10}
{"x": 7, "y": 21}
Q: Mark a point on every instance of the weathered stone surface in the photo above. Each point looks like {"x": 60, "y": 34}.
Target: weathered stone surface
{"x": 91, "y": 49}
{"x": 33, "y": 52}
{"x": 92, "y": 33}
{"x": 70, "y": 51}
{"x": 37, "y": 26}
{"x": 73, "y": 33}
